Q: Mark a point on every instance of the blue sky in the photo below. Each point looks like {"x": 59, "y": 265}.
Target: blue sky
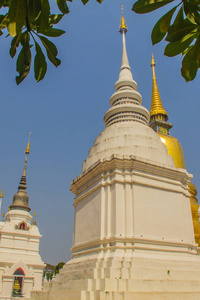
{"x": 65, "y": 111}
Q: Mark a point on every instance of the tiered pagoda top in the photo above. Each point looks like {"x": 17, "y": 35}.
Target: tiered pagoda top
{"x": 127, "y": 133}
{"x": 126, "y": 102}
{"x": 20, "y": 199}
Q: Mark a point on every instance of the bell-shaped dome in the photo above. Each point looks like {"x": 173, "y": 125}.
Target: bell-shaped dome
{"x": 127, "y": 131}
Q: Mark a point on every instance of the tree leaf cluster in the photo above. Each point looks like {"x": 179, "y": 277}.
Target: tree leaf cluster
{"x": 30, "y": 23}
{"x": 180, "y": 27}
{"x": 51, "y": 270}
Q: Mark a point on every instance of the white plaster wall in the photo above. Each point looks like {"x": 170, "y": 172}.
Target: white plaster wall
{"x": 88, "y": 218}
{"x": 162, "y": 214}
{"x": 19, "y": 248}
{"x": 147, "y": 204}
{"x": 38, "y": 275}
{"x": 27, "y": 287}
{"x": 7, "y": 287}
{"x": 1, "y": 272}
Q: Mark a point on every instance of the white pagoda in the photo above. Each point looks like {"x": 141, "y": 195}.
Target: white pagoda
{"x": 21, "y": 267}
{"x": 133, "y": 229}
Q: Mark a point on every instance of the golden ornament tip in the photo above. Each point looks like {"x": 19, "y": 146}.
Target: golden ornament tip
{"x": 152, "y": 61}
{"x": 3, "y": 214}
{"x": 123, "y": 27}
{"x": 27, "y": 151}
{"x": 1, "y": 196}
{"x": 35, "y": 214}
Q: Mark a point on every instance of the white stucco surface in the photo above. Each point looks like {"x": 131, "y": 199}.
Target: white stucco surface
{"x": 133, "y": 231}
{"x": 128, "y": 138}
{"x": 19, "y": 249}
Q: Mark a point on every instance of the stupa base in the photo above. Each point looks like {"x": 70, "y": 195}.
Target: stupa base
{"x": 71, "y": 295}
{"x": 137, "y": 278}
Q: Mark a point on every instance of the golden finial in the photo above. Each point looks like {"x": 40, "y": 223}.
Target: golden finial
{"x": 34, "y": 221}
{"x": 153, "y": 66}
{"x": 27, "y": 151}
{"x": 9, "y": 208}
{"x": 156, "y": 103}
{"x": 152, "y": 61}
{"x": 3, "y": 216}
{"x": 123, "y": 27}
{"x": 1, "y": 196}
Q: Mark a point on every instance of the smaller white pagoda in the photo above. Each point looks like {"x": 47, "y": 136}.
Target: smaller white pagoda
{"x": 21, "y": 267}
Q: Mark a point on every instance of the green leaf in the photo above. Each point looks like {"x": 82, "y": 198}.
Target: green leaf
{"x": 191, "y": 11}
{"x": 1, "y": 3}
{"x": 1, "y": 18}
{"x": 189, "y": 66}
{"x": 62, "y": 5}
{"x": 178, "y": 31}
{"x": 85, "y": 1}
{"x": 14, "y": 44}
{"x": 40, "y": 65}
{"x": 43, "y": 19}
{"x": 7, "y": 3}
{"x": 17, "y": 16}
{"x": 51, "y": 50}
{"x": 188, "y": 12}
{"x": 175, "y": 48}
{"x": 100, "y": 1}
{"x": 4, "y": 21}
{"x": 195, "y": 2}
{"x": 179, "y": 18}
{"x": 186, "y": 50}
{"x": 23, "y": 63}
{"x": 190, "y": 62}
{"x": 53, "y": 32}
{"x": 25, "y": 39}
{"x": 34, "y": 8}
{"x": 160, "y": 29}
{"x": 54, "y": 19}
{"x": 1, "y": 32}
{"x": 145, "y": 6}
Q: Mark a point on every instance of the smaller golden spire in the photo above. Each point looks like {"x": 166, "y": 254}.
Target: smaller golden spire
{"x": 1, "y": 196}
{"x": 20, "y": 199}
{"x": 156, "y": 103}
{"x": 3, "y": 216}
{"x": 34, "y": 220}
{"x": 27, "y": 151}
{"x": 123, "y": 26}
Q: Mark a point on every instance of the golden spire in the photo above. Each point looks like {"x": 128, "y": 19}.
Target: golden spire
{"x": 122, "y": 27}
{"x": 157, "y": 110}
{"x": 20, "y": 199}
{"x": 34, "y": 220}
{"x": 27, "y": 151}
{"x": 1, "y": 196}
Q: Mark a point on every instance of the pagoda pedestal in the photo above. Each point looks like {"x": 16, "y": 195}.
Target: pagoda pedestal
{"x": 133, "y": 235}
